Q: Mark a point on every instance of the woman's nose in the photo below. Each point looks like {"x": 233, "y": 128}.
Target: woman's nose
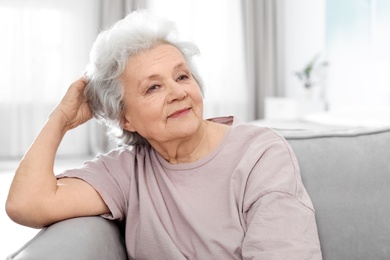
{"x": 176, "y": 92}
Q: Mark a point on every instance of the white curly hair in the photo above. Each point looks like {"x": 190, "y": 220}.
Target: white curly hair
{"x": 137, "y": 32}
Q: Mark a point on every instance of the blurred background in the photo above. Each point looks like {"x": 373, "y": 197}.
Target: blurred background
{"x": 271, "y": 62}
{"x": 325, "y": 61}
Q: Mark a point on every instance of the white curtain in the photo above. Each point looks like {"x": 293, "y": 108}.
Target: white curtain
{"x": 113, "y": 10}
{"x": 44, "y": 47}
{"x": 264, "y": 50}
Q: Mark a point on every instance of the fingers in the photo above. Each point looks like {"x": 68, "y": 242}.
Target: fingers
{"x": 74, "y": 107}
{"x": 80, "y": 84}
{"x": 75, "y": 92}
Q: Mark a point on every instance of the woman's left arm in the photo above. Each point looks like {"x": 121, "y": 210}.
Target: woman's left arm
{"x": 279, "y": 226}
{"x": 279, "y": 215}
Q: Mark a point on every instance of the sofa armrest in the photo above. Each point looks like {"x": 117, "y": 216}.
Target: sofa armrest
{"x": 77, "y": 238}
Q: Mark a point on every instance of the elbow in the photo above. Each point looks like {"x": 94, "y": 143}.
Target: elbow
{"x": 22, "y": 214}
{"x": 14, "y": 211}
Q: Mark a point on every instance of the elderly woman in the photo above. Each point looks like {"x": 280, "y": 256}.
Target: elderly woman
{"x": 184, "y": 187}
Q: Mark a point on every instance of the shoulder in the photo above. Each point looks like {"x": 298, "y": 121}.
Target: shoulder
{"x": 274, "y": 166}
{"x": 118, "y": 162}
{"x": 243, "y": 135}
{"x": 244, "y": 128}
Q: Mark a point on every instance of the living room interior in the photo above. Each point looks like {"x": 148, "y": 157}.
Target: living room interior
{"x": 319, "y": 65}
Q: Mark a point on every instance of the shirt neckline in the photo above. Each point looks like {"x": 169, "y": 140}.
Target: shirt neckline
{"x": 230, "y": 120}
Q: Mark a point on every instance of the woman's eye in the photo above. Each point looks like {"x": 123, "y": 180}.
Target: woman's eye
{"x": 153, "y": 88}
{"x": 182, "y": 77}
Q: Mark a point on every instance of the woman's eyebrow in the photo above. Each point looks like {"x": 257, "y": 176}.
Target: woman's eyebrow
{"x": 181, "y": 64}
{"x": 154, "y": 76}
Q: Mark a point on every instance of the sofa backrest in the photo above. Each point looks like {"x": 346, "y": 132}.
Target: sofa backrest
{"x": 347, "y": 175}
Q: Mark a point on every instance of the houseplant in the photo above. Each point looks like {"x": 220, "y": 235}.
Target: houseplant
{"x": 310, "y": 74}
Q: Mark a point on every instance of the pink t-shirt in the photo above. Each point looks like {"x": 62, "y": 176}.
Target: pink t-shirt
{"x": 245, "y": 200}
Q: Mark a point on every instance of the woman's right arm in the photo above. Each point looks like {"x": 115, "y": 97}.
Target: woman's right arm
{"x": 36, "y": 198}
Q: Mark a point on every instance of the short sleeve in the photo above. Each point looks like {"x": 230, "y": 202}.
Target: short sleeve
{"x": 109, "y": 175}
{"x": 280, "y": 218}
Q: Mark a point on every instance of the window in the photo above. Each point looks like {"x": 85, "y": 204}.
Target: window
{"x": 357, "y": 45}
{"x": 44, "y": 47}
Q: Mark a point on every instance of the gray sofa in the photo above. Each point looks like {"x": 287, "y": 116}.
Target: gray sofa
{"x": 346, "y": 173}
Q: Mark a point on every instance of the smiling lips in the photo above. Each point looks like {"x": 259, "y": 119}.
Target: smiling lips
{"x": 179, "y": 113}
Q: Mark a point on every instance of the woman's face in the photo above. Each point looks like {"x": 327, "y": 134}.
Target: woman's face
{"x": 162, "y": 101}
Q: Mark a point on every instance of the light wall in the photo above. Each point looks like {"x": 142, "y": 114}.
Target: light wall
{"x": 304, "y": 37}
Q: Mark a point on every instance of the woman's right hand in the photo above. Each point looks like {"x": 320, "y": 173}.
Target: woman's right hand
{"x": 74, "y": 108}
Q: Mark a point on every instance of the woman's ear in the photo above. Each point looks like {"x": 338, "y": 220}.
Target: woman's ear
{"x": 127, "y": 125}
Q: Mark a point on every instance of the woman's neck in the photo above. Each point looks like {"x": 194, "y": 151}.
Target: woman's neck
{"x": 195, "y": 147}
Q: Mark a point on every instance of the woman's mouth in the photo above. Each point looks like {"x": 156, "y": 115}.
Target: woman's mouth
{"x": 179, "y": 113}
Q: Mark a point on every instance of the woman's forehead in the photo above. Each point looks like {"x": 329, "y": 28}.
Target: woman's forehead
{"x": 162, "y": 56}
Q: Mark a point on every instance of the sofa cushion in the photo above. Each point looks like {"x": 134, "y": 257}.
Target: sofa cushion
{"x": 347, "y": 175}
{"x": 78, "y": 238}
